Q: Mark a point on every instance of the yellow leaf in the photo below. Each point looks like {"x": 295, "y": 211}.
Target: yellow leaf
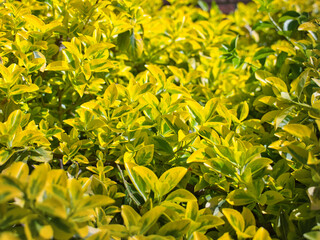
{"x": 157, "y": 73}
{"x": 46, "y": 232}
{"x": 199, "y": 236}
{"x": 59, "y": 66}
{"x": 262, "y": 234}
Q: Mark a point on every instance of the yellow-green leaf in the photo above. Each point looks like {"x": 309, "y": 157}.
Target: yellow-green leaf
{"x": 235, "y": 219}
{"x": 262, "y": 234}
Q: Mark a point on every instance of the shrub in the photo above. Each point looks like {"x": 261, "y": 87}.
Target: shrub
{"x": 129, "y": 120}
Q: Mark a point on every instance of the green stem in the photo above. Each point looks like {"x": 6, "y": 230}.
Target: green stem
{"x": 279, "y": 29}
{"x": 127, "y": 187}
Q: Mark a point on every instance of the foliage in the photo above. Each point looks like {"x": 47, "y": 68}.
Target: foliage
{"x": 128, "y": 120}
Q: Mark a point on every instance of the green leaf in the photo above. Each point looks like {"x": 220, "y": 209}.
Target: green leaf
{"x": 4, "y": 156}
{"x": 8, "y": 193}
{"x": 300, "y": 131}
{"x": 248, "y": 217}
{"x": 314, "y": 235}
{"x": 208, "y": 221}
{"x": 157, "y": 73}
{"x": 53, "y": 207}
{"x": 273, "y": 197}
{"x": 192, "y": 210}
{"x": 239, "y": 197}
{"x": 261, "y": 75}
{"x": 169, "y": 179}
{"x": 116, "y": 230}
{"x": 314, "y": 196}
{"x": 299, "y": 83}
{"x": 277, "y": 83}
{"x": 176, "y": 228}
{"x": 95, "y": 201}
{"x": 145, "y": 155}
{"x": 14, "y": 121}
{"x": 19, "y": 89}
{"x": 181, "y": 195}
{"x": 37, "y": 180}
{"x": 259, "y": 163}
{"x": 161, "y": 146}
{"x": 263, "y": 53}
{"x": 235, "y": 219}
{"x": 196, "y": 111}
{"x": 130, "y": 217}
{"x": 150, "y": 218}
{"x": 143, "y": 179}
{"x": 18, "y": 170}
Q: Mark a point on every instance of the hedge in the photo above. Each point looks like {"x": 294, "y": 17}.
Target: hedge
{"x": 126, "y": 119}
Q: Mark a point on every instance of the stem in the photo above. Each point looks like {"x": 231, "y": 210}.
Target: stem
{"x": 136, "y": 201}
{"x": 279, "y": 28}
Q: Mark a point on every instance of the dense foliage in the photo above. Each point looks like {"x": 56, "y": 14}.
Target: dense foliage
{"x": 126, "y": 119}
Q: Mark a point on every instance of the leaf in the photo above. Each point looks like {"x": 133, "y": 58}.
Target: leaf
{"x": 140, "y": 178}
{"x": 46, "y": 232}
{"x": 157, "y": 73}
{"x": 59, "y": 66}
{"x": 248, "y": 217}
{"x": 235, "y": 219}
{"x": 199, "y": 236}
{"x": 181, "y": 195}
{"x": 299, "y": 83}
{"x": 81, "y": 159}
{"x": 208, "y": 221}
{"x": 169, "y": 179}
{"x": 34, "y": 21}
{"x": 176, "y": 228}
{"x": 161, "y": 146}
{"x": 314, "y": 196}
{"x": 263, "y": 53}
{"x": 100, "y": 65}
{"x": 37, "y": 180}
{"x": 210, "y": 108}
{"x": 4, "y": 156}
{"x": 95, "y": 201}
{"x": 192, "y": 210}
{"x": 257, "y": 164}
{"x": 8, "y": 193}
{"x": 239, "y": 197}
{"x": 19, "y": 89}
{"x": 300, "y": 131}
{"x": 273, "y": 197}
{"x": 145, "y": 155}
{"x": 130, "y": 216}
{"x": 314, "y": 235}
{"x": 111, "y": 94}
{"x": 277, "y": 83}
{"x": 196, "y": 111}
{"x": 244, "y": 111}
{"x": 98, "y": 47}
{"x": 261, "y": 75}
{"x": 262, "y": 234}
{"x": 308, "y": 26}
{"x": 135, "y": 48}
{"x": 298, "y": 153}
{"x": 53, "y": 207}
{"x": 145, "y": 178}
{"x": 14, "y": 121}
{"x": 150, "y": 218}
{"x": 116, "y": 230}
{"x": 18, "y": 170}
